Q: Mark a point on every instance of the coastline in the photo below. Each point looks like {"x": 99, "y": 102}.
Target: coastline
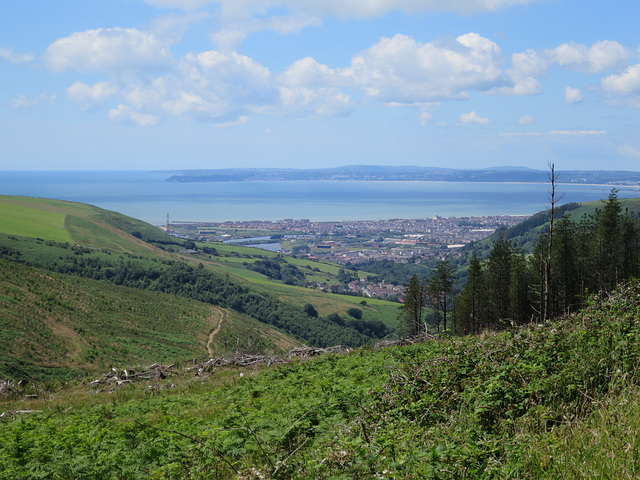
{"x": 148, "y": 197}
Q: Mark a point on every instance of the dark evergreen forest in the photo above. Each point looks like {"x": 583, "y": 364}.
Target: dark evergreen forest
{"x": 505, "y": 286}
{"x": 572, "y": 259}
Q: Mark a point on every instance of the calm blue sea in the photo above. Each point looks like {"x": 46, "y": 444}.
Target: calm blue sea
{"x": 147, "y": 196}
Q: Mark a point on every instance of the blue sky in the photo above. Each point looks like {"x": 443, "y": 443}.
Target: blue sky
{"x": 175, "y": 84}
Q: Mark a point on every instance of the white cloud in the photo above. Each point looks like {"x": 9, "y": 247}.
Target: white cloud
{"x": 626, "y": 83}
{"x": 24, "y": 101}
{"x": 526, "y": 120}
{"x": 232, "y": 75}
{"x": 186, "y": 103}
{"x": 573, "y": 95}
{"x": 211, "y": 86}
{"x": 10, "y": 56}
{"x": 308, "y": 72}
{"x": 235, "y": 32}
{"x": 529, "y": 63}
{"x": 601, "y": 56}
{"x": 629, "y": 151}
{"x": 318, "y": 102}
{"x": 124, "y": 113}
{"x": 578, "y": 133}
{"x": 424, "y": 118}
{"x": 83, "y": 93}
{"x": 234, "y": 123}
{"x": 401, "y": 70}
{"x": 520, "y": 86}
{"x": 473, "y": 117}
{"x": 111, "y": 51}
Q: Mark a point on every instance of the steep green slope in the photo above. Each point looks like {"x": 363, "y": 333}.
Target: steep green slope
{"x": 544, "y": 401}
{"x": 82, "y": 224}
{"x": 55, "y": 325}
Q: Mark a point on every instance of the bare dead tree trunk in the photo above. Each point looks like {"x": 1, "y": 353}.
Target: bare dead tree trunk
{"x": 547, "y": 260}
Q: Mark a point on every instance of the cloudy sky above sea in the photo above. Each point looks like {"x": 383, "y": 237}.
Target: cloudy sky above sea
{"x": 166, "y": 84}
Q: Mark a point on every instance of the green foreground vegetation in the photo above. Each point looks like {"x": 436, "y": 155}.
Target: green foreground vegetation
{"x": 538, "y": 399}
{"x": 558, "y": 400}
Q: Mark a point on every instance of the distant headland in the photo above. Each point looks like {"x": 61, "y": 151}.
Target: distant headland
{"x": 408, "y": 173}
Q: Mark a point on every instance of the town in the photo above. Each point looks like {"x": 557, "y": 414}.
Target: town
{"x": 353, "y": 241}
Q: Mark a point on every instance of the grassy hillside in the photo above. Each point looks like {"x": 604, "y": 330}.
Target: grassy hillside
{"x": 558, "y": 400}
{"x": 57, "y": 326}
{"x": 82, "y": 224}
{"x": 90, "y": 242}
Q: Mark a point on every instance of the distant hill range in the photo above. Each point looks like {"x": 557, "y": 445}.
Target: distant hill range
{"x": 407, "y": 173}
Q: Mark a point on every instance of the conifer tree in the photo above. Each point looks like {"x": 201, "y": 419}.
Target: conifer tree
{"x": 411, "y": 310}
{"x": 499, "y": 279}
{"x": 470, "y": 305}
{"x": 440, "y": 289}
{"x": 608, "y": 237}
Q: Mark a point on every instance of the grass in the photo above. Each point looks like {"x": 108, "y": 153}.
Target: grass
{"x": 53, "y": 325}
{"x": 553, "y": 401}
{"x": 604, "y": 444}
{"x": 20, "y": 219}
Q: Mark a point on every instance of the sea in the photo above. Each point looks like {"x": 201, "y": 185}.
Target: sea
{"x": 147, "y": 195}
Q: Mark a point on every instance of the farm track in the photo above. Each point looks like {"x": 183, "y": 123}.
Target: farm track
{"x": 214, "y": 332}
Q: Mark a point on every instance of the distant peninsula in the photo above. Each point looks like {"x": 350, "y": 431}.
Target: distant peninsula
{"x": 407, "y": 173}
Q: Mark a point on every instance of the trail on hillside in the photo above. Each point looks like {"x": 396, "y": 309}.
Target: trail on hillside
{"x": 214, "y": 332}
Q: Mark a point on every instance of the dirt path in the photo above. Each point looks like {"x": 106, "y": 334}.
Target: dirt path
{"x": 214, "y": 332}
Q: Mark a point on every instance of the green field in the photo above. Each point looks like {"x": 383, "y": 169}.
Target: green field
{"x": 22, "y": 219}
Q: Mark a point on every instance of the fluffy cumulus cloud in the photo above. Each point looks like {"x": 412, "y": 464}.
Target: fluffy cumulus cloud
{"x": 216, "y": 85}
{"x": 601, "y": 56}
{"x": 399, "y": 69}
{"x": 625, "y": 83}
{"x": 145, "y": 83}
{"x": 526, "y": 120}
{"x": 308, "y": 72}
{"x": 86, "y": 94}
{"x": 473, "y": 118}
{"x": 318, "y": 102}
{"x": 573, "y": 95}
{"x": 108, "y": 50}
{"x": 123, "y": 113}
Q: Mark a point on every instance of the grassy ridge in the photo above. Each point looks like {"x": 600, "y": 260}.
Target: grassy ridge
{"x": 83, "y": 224}
{"x": 544, "y": 401}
